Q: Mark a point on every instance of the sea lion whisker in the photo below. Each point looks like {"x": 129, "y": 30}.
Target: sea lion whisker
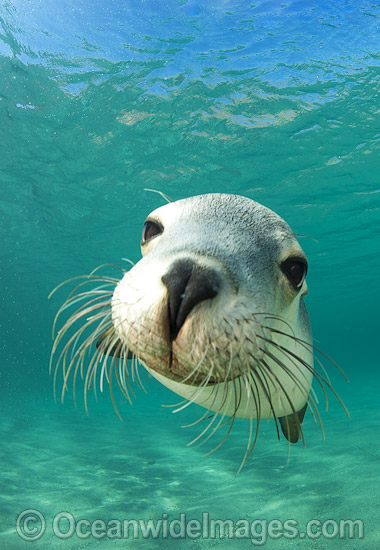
{"x": 72, "y": 296}
{"x": 134, "y": 365}
{"x": 104, "y": 317}
{"x": 257, "y": 400}
{"x": 185, "y": 379}
{"x": 274, "y": 317}
{"x": 231, "y": 419}
{"x": 204, "y": 416}
{"x": 280, "y": 384}
{"x": 135, "y": 376}
{"x": 134, "y": 362}
{"x": 262, "y": 379}
{"x": 122, "y": 373}
{"x": 208, "y": 426}
{"x": 107, "y": 348}
{"x": 90, "y": 374}
{"x": 107, "y": 265}
{"x": 255, "y": 396}
{"x": 326, "y": 374}
{"x": 310, "y": 368}
{"x": 224, "y": 397}
{"x": 103, "y": 307}
{"x": 154, "y": 334}
{"x": 124, "y": 369}
{"x": 117, "y": 362}
{"x": 315, "y": 349}
{"x": 111, "y": 391}
{"x": 113, "y": 346}
{"x": 105, "y": 323}
{"x": 104, "y": 379}
{"x": 302, "y": 388}
{"x": 225, "y": 381}
{"x": 95, "y": 294}
{"x": 288, "y": 399}
{"x": 78, "y": 357}
{"x": 71, "y": 320}
{"x": 248, "y": 388}
{"x": 306, "y": 346}
{"x": 213, "y": 431}
{"x": 86, "y": 280}
{"x": 191, "y": 378}
{"x": 163, "y": 195}
{"x": 72, "y": 342}
{"x": 197, "y": 391}
{"x": 172, "y": 405}
{"x": 250, "y": 430}
{"x": 312, "y": 402}
{"x": 129, "y": 261}
{"x": 194, "y": 371}
{"x": 187, "y": 402}
{"x": 80, "y": 351}
{"x": 89, "y": 278}
{"x": 80, "y": 297}
{"x": 237, "y": 401}
{"x": 306, "y": 237}
{"x": 286, "y": 369}
{"x": 77, "y": 345}
{"x": 92, "y": 370}
{"x": 317, "y": 375}
{"x": 138, "y": 378}
{"x": 90, "y": 309}
{"x": 104, "y": 372}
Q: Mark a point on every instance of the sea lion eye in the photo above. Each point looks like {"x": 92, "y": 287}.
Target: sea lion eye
{"x": 151, "y": 229}
{"x": 295, "y": 270}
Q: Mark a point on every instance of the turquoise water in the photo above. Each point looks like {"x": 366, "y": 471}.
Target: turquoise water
{"x": 277, "y": 101}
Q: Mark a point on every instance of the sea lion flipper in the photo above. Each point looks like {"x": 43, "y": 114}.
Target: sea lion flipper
{"x": 109, "y": 345}
{"x": 291, "y": 424}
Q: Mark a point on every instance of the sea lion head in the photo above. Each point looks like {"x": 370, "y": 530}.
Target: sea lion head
{"x": 218, "y": 273}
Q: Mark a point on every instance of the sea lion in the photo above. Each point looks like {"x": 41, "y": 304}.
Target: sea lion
{"x": 214, "y": 311}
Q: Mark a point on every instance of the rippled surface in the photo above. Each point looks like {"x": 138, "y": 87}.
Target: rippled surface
{"x": 277, "y": 101}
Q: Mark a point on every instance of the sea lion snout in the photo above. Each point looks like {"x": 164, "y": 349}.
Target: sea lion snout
{"x": 188, "y": 284}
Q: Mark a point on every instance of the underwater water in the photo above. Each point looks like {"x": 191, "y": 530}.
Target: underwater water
{"x": 277, "y": 101}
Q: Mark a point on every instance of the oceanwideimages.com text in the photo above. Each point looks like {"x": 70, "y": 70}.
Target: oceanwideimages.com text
{"x": 32, "y": 525}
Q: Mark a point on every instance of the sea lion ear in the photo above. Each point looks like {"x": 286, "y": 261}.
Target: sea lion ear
{"x": 109, "y": 344}
{"x": 291, "y": 424}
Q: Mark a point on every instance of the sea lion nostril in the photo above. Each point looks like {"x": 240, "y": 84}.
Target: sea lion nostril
{"x": 187, "y": 284}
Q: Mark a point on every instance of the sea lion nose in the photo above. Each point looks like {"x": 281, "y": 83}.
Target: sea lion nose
{"x": 188, "y": 284}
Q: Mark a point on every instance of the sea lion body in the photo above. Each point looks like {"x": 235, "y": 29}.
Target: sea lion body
{"x": 214, "y": 311}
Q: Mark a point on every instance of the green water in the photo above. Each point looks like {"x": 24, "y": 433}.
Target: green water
{"x": 274, "y": 101}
